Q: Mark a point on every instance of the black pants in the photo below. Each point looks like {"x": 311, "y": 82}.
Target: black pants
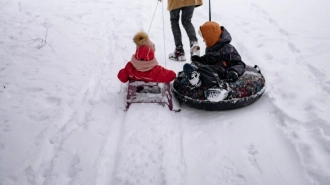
{"x": 187, "y": 13}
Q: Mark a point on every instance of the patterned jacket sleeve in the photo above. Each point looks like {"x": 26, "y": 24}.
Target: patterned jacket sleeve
{"x": 233, "y": 60}
{"x": 239, "y": 68}
{"x": 209, "y": 59}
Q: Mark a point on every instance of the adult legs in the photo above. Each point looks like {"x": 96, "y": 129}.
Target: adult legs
{"x": 175, "y": 16}
{"x": 187, "y": 13}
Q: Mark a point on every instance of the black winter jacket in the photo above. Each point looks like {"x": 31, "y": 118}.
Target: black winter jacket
{"x": 223, "y": 56}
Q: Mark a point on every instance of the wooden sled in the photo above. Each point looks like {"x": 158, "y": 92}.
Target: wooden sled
{"x": 151, "y": 92}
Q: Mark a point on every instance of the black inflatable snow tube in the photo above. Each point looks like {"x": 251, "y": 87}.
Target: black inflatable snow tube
{"x": 245, "y": 91}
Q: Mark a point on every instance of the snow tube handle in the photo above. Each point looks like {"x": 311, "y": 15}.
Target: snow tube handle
{"x": 257, "y": 68}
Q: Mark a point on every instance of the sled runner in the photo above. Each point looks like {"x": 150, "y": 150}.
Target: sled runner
{"x": 245, "y": 91}
{"x": 151, "y": 92}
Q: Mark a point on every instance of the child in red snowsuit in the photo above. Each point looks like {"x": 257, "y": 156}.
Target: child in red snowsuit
{"x": 143, "y": 65}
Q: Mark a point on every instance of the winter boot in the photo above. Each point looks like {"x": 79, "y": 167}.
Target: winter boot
{"x": 216, "y": 94}
{"x": 178, "y": 54}
{"x": 194, "y": 48}
{"x": 192, "y": 75}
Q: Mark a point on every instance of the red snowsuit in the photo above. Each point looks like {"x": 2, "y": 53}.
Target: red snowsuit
{"x": 156, "y": 74}
{"x": 144, "y": 67}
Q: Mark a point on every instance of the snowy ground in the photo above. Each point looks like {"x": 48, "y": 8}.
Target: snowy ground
{"x": 61, "y": 106}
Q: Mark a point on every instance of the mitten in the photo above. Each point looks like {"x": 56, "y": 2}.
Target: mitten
{"x": 232, "y": 76}
{"x": 196, "y": 58}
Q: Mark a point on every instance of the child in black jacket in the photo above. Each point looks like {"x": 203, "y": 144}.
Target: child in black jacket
{"x": 220, "y": 63}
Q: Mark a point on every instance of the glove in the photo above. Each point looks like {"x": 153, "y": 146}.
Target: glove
{"x": 196, "y": 58}
{"x": 232, "y": 76}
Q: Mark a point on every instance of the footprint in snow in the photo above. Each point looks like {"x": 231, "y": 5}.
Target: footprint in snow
{"x": 252, "y": 156}
{"x": 74, "y": 168}
{"x": 38, "y": 117}
{"x": 53, "y": 100}
{"x": 34, "y": 89}
{"x": 2, "y": 146}
{"x": 228, "y": 173}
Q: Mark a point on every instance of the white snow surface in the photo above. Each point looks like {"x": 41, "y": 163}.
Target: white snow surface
{"x": 61, "y": 106}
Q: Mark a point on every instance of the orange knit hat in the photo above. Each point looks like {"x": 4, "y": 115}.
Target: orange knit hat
{"x": 211, "y": 32}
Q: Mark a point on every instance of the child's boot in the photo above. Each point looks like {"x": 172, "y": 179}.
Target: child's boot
{"x": 192, "y": 75}
{"x": 216, "y": 94}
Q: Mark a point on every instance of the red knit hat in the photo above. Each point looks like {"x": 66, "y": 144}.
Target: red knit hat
{"x": 144, "y": 53}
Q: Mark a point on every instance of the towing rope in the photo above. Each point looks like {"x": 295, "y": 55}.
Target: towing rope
{"x": 163, "y": 28}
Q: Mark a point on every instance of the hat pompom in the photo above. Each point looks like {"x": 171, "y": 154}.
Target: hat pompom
{"x": 144, "y": 53}
{"x": 141, "y": 38}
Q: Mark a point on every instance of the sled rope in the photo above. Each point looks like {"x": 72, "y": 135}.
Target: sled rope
{"x": 121, "y": 87}
{"x": 164, "y": 33}
{"x": 153, "y": 17}
{"x": 163, "y": 28}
